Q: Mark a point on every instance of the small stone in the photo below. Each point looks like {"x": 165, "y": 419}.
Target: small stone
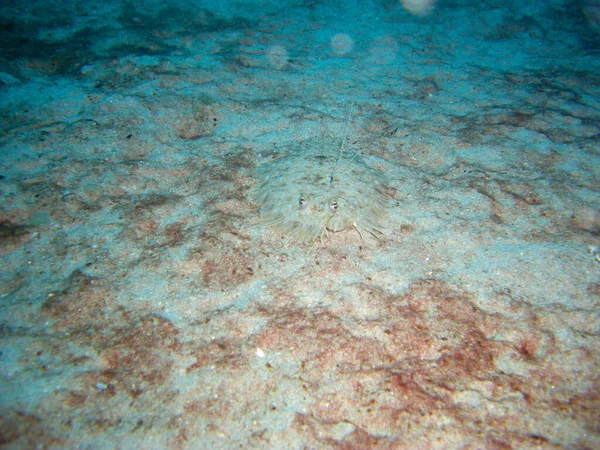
{"x": 8, "y": 79}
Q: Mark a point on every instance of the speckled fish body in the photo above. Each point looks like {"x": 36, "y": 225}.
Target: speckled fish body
{"x": 298, "y": 198}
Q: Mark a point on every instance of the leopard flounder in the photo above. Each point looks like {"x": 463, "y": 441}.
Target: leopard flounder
{"x": 317, "y": 189}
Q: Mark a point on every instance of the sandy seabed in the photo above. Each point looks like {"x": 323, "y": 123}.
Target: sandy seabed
{"x": 145, "y": 304}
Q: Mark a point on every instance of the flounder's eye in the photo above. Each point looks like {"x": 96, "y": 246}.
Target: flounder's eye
{"x": 302, "y": 203}
{"x": 333, "y": 207}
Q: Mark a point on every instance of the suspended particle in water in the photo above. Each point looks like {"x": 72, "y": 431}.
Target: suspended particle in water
{"x": 341, "y": 44}
{"x": 278, "y": 56}
{"x": 418, "y": 7}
